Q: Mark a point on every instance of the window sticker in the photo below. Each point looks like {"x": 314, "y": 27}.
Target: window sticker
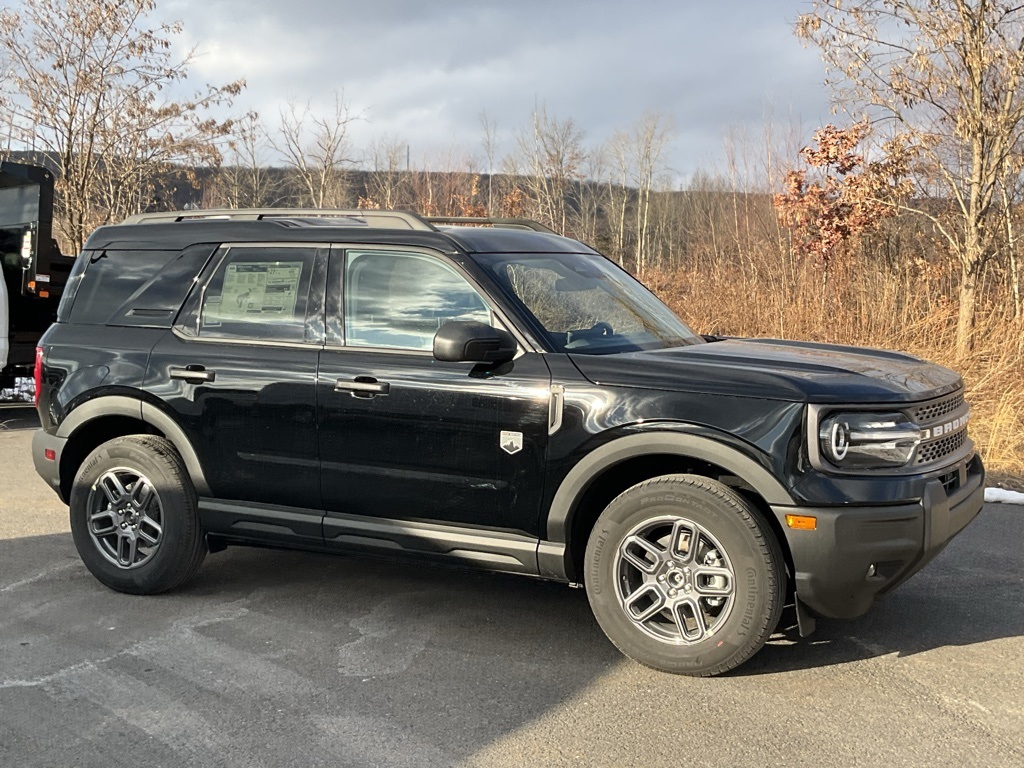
{"x": 257, "y": 291}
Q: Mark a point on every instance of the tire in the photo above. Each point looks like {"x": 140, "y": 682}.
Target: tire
{"x": 688, "y": 610}
{"x": 134, "y": 516}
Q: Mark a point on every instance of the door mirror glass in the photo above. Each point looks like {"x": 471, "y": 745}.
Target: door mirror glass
{"x": 466, "y": 341}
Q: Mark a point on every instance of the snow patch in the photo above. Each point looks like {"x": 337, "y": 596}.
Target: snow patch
{"x": 1003, "y": 496}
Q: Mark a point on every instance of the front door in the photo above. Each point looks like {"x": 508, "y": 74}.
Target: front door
{"x": 406, "y": 437}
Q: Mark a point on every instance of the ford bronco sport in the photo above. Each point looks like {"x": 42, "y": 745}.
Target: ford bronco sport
{"x": 493, "y": 396}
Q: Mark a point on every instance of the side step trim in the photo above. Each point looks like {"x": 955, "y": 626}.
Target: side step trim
{"x": 262, "y": 524}
{"x": 493, "y": 550}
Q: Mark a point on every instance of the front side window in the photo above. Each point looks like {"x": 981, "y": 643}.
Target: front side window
{"x": 258, "y": 293}
{"x": 585, "y": 304}
{"x": 399, "y": 300}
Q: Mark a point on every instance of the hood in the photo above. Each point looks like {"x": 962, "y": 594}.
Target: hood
{"x": 777, "y": 370}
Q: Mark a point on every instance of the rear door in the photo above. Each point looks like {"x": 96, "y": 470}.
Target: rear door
{"x": 239, "y": 374}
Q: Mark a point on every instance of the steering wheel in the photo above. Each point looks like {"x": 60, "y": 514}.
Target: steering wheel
{"x": 604, "y": 328}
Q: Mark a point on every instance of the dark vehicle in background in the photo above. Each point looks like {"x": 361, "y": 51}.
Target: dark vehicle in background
{"x": 34, "y": 270}
{"x": 490, "y": 396}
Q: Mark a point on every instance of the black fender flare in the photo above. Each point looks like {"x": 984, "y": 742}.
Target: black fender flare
{"x": 120, "y": 405}
{"x": 553, "y": 551}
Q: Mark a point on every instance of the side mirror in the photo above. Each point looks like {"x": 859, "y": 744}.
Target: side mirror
{"x": 465, "y": 341}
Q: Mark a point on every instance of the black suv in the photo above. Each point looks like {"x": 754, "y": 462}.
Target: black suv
{"x": 493, "y": 396}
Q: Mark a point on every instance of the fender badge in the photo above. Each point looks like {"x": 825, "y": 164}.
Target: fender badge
{"x": 511, "y": 442}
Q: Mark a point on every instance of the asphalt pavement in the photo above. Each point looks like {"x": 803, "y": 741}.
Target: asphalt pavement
{"x": 276, "y": 658}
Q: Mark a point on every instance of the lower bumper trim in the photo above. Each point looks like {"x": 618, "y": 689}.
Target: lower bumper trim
{"x": 48, "y": 469}
{"x": 857, "y": 554}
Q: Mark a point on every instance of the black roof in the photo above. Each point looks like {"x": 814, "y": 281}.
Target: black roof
{"x": 176, "y": 235}
{"x": 494, "y": 240}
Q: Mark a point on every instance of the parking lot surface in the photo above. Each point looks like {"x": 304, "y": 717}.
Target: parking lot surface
{"x": 276, "y": 658}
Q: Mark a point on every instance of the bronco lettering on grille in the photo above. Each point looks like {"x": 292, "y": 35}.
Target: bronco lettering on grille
{"x": 945, "y": 429}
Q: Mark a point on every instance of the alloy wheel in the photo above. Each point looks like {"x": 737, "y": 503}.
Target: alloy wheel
{"x": 674, "y": 580}
{"x": 125, "y": 517}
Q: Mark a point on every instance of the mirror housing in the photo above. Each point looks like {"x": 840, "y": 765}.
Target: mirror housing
{"x": 468, "y": 341}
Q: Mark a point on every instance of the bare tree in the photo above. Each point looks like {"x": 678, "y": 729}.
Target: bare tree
{"x": 648, "y": 139}
{"x": 490, "y": 143}
{"x": 94, "y": 79}
{"x": 317, "y": 149}
{"x": 1011, "y": 221}
{"x": 703, "y": 209}
{"x": 386, "y": 181}
{"x": 950, "y": 75}
{"x": 450, "y": 189}
{"x": 246, "y": 180}
{"x": 619, "y": 192}
{"x": 552, "y": 154}
{"x": 636, "y": 155}
{"x": 592, "y": 195}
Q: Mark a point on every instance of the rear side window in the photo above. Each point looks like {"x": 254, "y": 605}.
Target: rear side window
{"x": 102, "y": 281}
{"x": 260, "y": 293}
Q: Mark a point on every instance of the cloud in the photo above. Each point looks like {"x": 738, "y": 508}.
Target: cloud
{"x": 426, "y": 71}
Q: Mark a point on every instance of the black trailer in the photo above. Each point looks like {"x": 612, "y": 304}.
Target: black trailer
{"x": 34, "y": 270}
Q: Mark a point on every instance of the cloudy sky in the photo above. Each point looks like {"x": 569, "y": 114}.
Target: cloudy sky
{"x": 425, "y": 71}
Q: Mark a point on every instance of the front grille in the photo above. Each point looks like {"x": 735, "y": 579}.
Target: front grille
{"x": 938, "y": 449}
{"x": 943, "y": 422}
{"x": 936, "y": 409}
{"x": 940, "y": 416}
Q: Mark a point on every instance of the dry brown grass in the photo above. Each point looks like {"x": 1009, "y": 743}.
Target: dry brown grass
{"x": 908, "y": 312}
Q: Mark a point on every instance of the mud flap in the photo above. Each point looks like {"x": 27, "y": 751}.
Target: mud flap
{"x": 804, "y": 621}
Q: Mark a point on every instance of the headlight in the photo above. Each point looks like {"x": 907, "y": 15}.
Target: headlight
{"x": 861, "y": 440}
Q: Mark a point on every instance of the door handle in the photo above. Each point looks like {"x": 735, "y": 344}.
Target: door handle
{"x": 194, "y": 374}
{"x": 362, "y": 386}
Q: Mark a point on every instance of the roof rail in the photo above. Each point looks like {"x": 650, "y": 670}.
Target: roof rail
{"x": 536, "y": 226}
{"x": 367, "y": 218}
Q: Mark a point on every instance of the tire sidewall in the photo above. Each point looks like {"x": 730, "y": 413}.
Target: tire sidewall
{"x": 178, "y": 515}
{"x": 719, "y": 512}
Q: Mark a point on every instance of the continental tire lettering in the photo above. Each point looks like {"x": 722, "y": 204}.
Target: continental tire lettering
{"x": 748, "y": 612}
{"x": 595, "y": 569}
{"x": 93, "y": 462}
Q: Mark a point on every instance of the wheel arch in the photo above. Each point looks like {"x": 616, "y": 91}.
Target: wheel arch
{"x": 622, "y": 463}
{"x": 104, "y": 418}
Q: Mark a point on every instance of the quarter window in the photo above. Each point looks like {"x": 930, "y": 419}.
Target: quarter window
{"x": 399, "y": 300}
{"x": 102, "y": 281}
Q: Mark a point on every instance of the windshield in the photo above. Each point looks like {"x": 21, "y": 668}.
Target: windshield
{"x": 586, "y": 304}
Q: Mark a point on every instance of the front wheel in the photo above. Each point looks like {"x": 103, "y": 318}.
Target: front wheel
{"x": 134, "y": 516}
{"x": 684, "y": 576}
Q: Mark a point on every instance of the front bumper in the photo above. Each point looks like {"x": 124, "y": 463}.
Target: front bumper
{"x": 857, "y": 554}
{"x": 48, "y": 469}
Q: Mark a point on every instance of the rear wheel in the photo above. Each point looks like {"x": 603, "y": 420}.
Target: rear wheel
{"x": 684, "y": 575}
{"x": 134, "y": 516}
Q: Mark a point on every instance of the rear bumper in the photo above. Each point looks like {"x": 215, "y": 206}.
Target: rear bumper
{"x": 857, "y": 554}
{"x": 48, "y": 469}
